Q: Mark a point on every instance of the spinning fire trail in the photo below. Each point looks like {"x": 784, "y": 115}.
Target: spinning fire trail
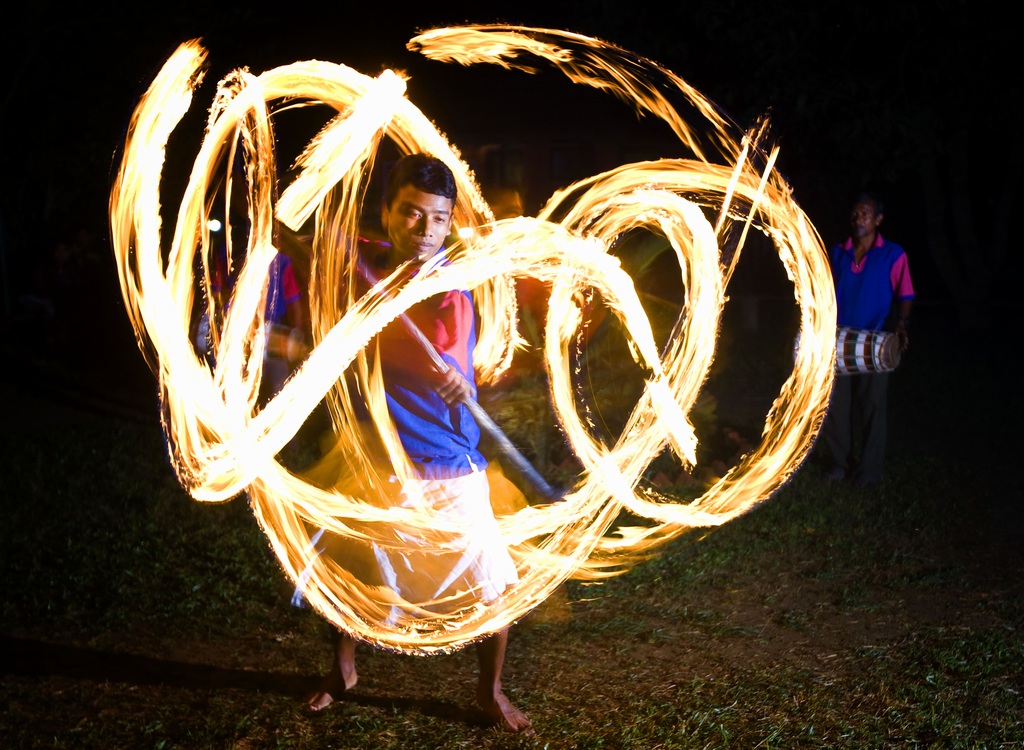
{"x": 223, "y": 442}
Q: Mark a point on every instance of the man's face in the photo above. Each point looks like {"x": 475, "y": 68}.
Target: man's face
{"x": 417, "y": 223}
{"x": 864, "y": 220}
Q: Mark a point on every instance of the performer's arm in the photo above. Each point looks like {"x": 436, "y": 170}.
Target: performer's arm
{"x": 903, "y": 321}
{"x": 903, "y": 288}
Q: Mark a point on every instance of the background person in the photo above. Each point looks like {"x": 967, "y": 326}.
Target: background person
{"x": 873, "y": 292}
{"x": 285, "y": 320}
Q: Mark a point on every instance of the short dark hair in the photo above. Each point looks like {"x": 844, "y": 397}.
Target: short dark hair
{"x": 867, "y": 196}
{"x": 423, "y": 172}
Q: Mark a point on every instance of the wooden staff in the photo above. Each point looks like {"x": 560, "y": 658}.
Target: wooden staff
{"x": 294, "y": 246}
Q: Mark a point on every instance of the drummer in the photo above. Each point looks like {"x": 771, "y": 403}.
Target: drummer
{"x": 873, "y": 293}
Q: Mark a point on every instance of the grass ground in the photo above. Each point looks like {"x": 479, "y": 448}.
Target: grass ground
{"x": 134, "y": 617}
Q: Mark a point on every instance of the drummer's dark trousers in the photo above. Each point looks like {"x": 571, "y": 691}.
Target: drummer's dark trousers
{"x": 856, "y": 419}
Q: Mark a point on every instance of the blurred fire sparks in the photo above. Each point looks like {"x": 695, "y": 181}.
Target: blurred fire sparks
{"x": 224, "y": 442}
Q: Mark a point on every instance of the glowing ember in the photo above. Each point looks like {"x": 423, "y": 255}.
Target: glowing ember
{"x": 224, "y": 442}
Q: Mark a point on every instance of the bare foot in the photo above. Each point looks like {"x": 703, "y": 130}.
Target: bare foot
{"x": 333, "y": 688}
{"x": 499, "y": 710}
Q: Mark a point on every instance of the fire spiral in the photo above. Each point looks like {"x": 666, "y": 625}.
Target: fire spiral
{"x": 223, "y": 442}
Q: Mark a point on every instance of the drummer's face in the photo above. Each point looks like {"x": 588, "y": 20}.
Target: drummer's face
{"x": 864, "y": 220}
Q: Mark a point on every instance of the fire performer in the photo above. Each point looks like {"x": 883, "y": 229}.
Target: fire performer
{"x": 427, "y": 405}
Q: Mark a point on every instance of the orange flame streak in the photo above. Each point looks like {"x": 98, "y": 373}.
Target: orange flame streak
{"x": 223, "y": 444}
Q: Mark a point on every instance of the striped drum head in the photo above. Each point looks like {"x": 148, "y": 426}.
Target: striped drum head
{"x": 860, "y": 351}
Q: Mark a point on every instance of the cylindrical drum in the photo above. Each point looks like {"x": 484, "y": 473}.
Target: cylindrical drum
{"x": 860, "y": 351}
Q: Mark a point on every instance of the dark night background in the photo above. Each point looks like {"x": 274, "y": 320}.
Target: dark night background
{"x": 822, "y": 619}
{"x": 916, "y": 100}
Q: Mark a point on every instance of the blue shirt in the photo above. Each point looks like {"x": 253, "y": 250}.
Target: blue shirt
{"x": 442, "y": 441}
{"x": 865, "y": 291}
